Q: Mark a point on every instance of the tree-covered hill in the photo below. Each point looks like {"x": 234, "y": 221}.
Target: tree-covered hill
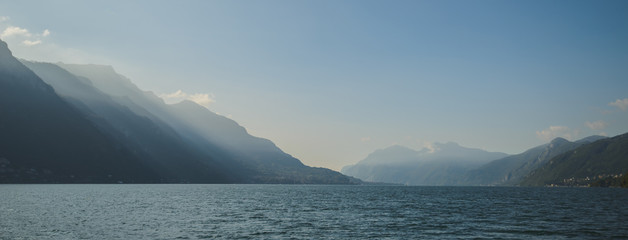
{"x": 583, "y": 165}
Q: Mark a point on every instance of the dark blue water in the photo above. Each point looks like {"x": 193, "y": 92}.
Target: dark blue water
{"x": 321, "y": 212}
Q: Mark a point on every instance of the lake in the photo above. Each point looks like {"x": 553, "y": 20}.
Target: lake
{"x": 154, "y": 211}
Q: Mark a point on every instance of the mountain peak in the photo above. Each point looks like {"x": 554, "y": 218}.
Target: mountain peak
{"x": 558, "y": 141}
{"x": 4, "y": 49}
{"x": 444, "y": 165}
{"x": 392, "y": 154}
{"x": 5, "y": 53}
{"x": 396, "y": 147}
{"x": 396, "y": 150}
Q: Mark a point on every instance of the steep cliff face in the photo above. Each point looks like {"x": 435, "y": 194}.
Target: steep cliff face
{"x": 45, "y": 139}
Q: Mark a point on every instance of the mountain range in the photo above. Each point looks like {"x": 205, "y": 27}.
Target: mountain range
{"x": 85, "y": 123}
{"x": 73, "y": 123}
{"x": 581, "y": 166}
{"x": 442, "y": 164}
{"x": 512, "y": 169}
{"x": 45, "y": 139}
{"x": 557, "y": 163}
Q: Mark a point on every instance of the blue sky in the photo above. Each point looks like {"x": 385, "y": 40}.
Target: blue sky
{"x": 331, "y": 81}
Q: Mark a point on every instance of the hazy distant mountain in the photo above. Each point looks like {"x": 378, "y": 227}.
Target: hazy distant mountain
{"x": 510, "y": 170}
{"x": 443, "y": 164}
{"x": 249, "y": 158}
{"x": 582, "y": 165}
{"x": 384, "y": 165}
{"x": 45, "y": 139}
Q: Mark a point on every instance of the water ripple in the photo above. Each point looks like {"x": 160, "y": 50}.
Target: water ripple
{"x": 305, "y": 212}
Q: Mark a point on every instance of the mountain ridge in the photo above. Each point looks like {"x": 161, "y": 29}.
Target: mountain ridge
{"x": 217, "y": 135}
{"x": 89, "y": 123}
{"x": 510, "y": 170}
{"x": 584, "y": 164}
{"x": 441, "y": 164}
{"x": 32, "y": 120}
{"x": 153, "y": 144}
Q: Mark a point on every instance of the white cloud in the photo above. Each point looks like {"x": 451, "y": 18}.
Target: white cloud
{"x": 597, "y": 125}
{"x": 557, "y": 131}
{"x": 22, "y": 35}
{"x": 31, "y": 43}
{"x": 175, "y": 96}
{"x": 365, "y": 139}
{"x": 203, "y": 99}
{"x": 620, "y": 103}
{"x": 34, "y": 46}
{"x": 15, "y": 31}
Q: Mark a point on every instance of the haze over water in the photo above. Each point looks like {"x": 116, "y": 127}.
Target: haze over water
{"x": 309, "y": 211}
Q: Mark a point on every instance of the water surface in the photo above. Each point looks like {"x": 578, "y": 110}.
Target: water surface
{"x": 309, "y": 211}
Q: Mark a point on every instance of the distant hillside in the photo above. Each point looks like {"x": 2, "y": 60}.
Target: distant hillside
{"x": 444, "y": 164}
{"x": 583, "y": 165}
{"x": 510, "y": 170}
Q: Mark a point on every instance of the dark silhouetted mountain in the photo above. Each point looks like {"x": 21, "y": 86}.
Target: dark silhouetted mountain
{"x": 155, "y": 143}
{"x": 442, "y": 164}
{"x": 250, "y": 159}
{"x": 45, "y": 139}
{"x": 584, "y": 164}
{"x": 510, "y": 170}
